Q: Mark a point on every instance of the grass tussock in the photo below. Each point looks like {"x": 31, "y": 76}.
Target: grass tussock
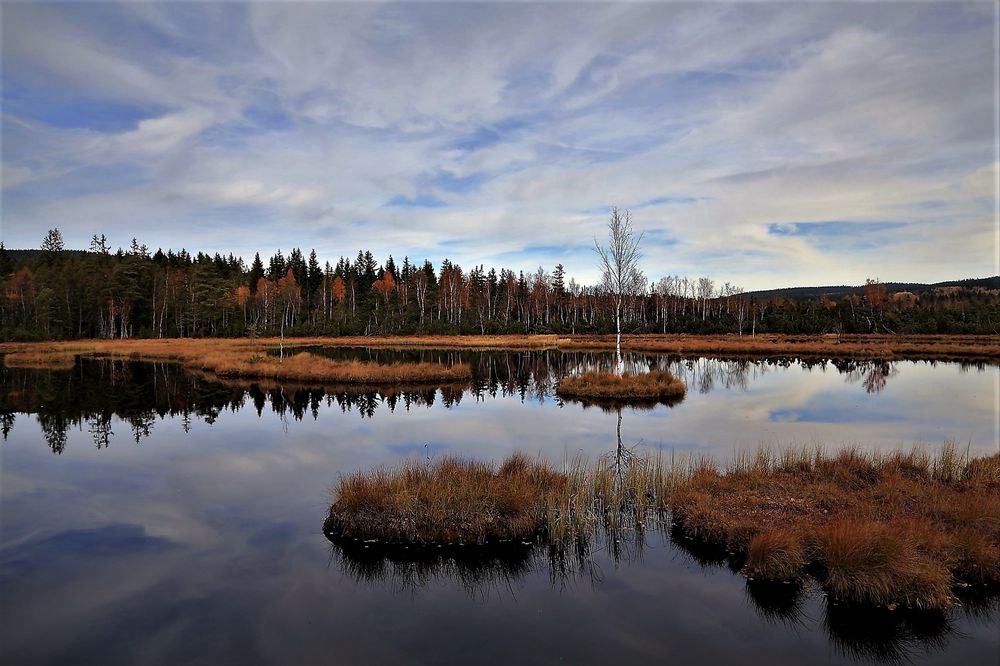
{"x": 656, "y": 385}
{"x": 445, "y": 502}
{"x": 899, "y": 528}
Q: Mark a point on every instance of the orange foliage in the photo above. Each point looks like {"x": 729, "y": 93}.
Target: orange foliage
{"x": 339, "y": 290}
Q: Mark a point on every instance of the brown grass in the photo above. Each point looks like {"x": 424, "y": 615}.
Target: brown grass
{"x": 446, "y": 501}
{"x": 659, "y": 385}
{"x": 309, "y": 367}
{"x": 901, "y": 528}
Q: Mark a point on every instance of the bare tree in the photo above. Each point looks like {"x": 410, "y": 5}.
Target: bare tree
{"x": 620, "y": 265}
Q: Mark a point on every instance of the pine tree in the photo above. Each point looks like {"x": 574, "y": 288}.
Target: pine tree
{"x": 256, "y": 272}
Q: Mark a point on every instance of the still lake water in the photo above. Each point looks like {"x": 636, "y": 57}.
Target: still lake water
{"x": 147, "y": 516}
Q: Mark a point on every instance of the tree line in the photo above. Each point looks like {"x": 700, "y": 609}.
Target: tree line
{"x": 55, "y": 293}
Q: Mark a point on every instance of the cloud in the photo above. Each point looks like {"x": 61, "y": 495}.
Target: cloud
{"x": 481, "y": 131}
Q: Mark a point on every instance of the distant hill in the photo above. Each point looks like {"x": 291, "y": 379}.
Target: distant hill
{"x": 839, "y": 291}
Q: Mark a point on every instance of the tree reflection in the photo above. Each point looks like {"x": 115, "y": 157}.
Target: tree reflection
{"x": 96, "y": 391}
{"x": 873, "y": 375}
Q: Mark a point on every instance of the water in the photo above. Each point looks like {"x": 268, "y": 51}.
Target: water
{"x": 152, "y": 517}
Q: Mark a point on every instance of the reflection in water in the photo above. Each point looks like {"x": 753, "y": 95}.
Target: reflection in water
{"x": 488, "y": 570}
{"x": 864, "y": 635}
{"x": 222, "y": 541}
{"x": 140, "y": 393}
{"x": 873, "y": 375}
{"x": 481, "y": 571}
{"x": 868, "y": 635}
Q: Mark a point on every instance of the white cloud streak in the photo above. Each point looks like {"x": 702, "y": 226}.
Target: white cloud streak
{"x": 511, "y": 127}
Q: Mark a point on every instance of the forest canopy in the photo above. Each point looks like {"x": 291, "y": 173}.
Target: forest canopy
{"x": 55, "y": 293}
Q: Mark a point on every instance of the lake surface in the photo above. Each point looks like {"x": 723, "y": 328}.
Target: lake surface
{"x": 148, "y": 516}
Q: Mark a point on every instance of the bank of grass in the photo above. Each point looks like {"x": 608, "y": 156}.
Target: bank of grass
{"x": 872, "y": 529}
{"x": 887, "y": 347}
{"x": 310, "y": 367}
{"x": 599, "y": 386}
{"x": 235, "y": 358}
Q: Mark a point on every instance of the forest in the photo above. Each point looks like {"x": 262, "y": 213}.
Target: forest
{"x": 55, "y": 293}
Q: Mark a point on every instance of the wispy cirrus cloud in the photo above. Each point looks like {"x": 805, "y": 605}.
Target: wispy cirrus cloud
{"x": 763, "y": 144}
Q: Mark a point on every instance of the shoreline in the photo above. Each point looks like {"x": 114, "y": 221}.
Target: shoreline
{"x": 867, "y": 347}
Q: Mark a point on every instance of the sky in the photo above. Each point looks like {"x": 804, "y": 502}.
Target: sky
{"x": 763, "y": 144}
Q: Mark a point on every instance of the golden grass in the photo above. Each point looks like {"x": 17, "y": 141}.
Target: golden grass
{"x": 900, "y": 528}
{"x": 656, "y": 385}
{"x": 445, "y": 502}
{"x": 40, "y": 360}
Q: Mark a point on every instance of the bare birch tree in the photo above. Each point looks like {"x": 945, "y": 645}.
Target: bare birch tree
{"x": 620, "y": 266}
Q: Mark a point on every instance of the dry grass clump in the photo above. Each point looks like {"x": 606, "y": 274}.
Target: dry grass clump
{"x": 778, "y": 554}
{"x": 445, "y": 501}
{"x": 659, "y": 385}
{"x": 900, "y": 528}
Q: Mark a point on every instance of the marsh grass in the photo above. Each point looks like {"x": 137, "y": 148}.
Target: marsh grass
{"x": 873, "y": 529}
{"x": 447, "y": 501}
{"x": 608, "y": 387}
{"x": 895, "y": 529}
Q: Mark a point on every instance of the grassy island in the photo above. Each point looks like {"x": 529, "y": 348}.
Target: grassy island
{"x": 653, "y": 386}
{"x": 897, "y": 529}
{"x": 449, "y": 501}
